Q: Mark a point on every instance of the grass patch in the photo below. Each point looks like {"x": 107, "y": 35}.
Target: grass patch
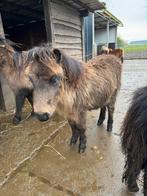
{"x": 135, "y": 48}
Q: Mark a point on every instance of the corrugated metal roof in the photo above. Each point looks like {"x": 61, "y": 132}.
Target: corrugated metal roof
{"x": 91, "y": 5}
{"x": 103, "y": 16}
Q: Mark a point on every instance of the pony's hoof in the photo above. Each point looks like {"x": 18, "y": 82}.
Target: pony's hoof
{"x": 32, "y": 114}
{"x": 145, "y": 192}
{"x": 73, "y": 140}
{"x": 133, "y": 188}
{"x": 109, "y": 128}
{"x": 82, "y": 148}
{"x": 16, "y": 120}
{"x": 100, "y": 122}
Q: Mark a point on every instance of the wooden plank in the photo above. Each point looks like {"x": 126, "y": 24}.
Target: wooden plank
{"x": 65, "y": 13}
{"x": 73, "y": 52}
{"x": 67, "y": 39}
{"x": 48, "y": 21}
{"x": 60, "y": 29}
{"x": 68, "y": 46}
{"x": 66, "y": 35}
{"x": 67, "y": 24}
{"x": 83, "y": 40}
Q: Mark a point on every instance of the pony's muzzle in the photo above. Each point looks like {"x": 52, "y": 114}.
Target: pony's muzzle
{"x": 42, "y": 117}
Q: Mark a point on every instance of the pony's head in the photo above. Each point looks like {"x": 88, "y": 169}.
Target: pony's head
{"x": 46, "y": 74}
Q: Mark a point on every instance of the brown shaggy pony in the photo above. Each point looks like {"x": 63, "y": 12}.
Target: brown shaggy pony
{"x": 117, "y": 52}
{"x": 12, "y": 65}
{"x": 71, "y": 87}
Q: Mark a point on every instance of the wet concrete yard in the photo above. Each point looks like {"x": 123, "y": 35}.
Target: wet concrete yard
{"x": 36, "y": 159}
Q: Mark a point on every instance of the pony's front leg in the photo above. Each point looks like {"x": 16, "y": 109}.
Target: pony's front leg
{"x": 83, "y": 140}
{"x": 81, "y": 126}
{"x": 75, "y": 132}
{"x": 78, "y": 126}
{"x": 19, "y": 99}
{"x": 132, "y": 183}
{"x": 101, "y": 116}
{"x": 30, "y": 99}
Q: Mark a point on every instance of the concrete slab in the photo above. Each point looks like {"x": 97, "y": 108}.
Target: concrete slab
{"x": 36, "y": 159}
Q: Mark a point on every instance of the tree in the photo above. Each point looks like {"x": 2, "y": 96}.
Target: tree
{"x": 121, "y": 42}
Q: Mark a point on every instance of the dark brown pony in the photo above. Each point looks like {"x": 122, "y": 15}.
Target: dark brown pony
{"x": 134, "y": 140}
{"x": 71, "y": 87}
{"x": 12, "y": 64}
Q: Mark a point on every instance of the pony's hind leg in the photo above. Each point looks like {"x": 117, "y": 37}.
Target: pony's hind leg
{"x": 111, "y": 107}
{"x": 110, "y": 117}
{"x": 101, "y": 116}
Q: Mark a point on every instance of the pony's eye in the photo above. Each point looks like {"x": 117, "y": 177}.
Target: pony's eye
{"x": 54, "y": 80}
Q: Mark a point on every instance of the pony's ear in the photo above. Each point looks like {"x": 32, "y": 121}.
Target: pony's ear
{"x": 57, "y": 54}
{"x": 36, "y": 57}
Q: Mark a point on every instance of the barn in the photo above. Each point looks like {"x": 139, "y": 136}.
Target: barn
{"x": 71, "y": 25}
{"x": 106, "y": 29}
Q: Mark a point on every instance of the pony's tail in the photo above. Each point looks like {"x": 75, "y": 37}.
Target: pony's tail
{"x": 134, "y": 134}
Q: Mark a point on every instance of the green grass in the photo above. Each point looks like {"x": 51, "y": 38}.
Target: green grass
{"x": 135, "y": 48}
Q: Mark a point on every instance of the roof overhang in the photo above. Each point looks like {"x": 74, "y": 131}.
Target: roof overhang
{"x": 91, "y": 5}
{"x": 22, "y": 12}
{"x": 102, "y": 17}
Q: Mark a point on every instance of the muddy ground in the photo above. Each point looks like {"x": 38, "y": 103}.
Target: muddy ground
{"x": 36, "y": 159}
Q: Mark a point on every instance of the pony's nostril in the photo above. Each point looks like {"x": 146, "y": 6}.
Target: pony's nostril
{"x": 42, "y": 117}
{"x": 46, "y": 116}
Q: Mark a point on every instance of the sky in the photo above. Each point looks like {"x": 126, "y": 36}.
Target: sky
{"x": 133, "y": 14}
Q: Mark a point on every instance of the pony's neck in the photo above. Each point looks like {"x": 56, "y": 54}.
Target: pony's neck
{"x": 73, "y": 70}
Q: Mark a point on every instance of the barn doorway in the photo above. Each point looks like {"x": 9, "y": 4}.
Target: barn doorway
{"x": 23, "y": 22}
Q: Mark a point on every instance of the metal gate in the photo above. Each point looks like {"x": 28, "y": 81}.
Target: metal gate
{"x": 88, "y": 35}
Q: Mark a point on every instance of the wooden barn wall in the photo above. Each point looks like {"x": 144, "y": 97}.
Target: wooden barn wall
{"x": 67, "y": 29}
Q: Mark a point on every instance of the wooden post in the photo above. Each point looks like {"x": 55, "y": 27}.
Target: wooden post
{"x": 48, "y": 21}
{"x": 2, "y": 102}
{"x": 116, "y": 37}
{"x": 7, "y": 100}
{"x": 108, "y": 31}
{"x": 93, "y": 36}
{"x": 83, "y": 40}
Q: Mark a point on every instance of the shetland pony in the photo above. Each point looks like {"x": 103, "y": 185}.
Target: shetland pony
{"x": 134, "y": 140}
{"x": 62, "y": 83}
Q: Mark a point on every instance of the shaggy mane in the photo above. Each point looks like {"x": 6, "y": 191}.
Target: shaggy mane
{"x": 73, "y": 69}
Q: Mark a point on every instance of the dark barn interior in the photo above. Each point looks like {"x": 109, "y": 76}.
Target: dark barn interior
{"x": 23, "y": 22}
